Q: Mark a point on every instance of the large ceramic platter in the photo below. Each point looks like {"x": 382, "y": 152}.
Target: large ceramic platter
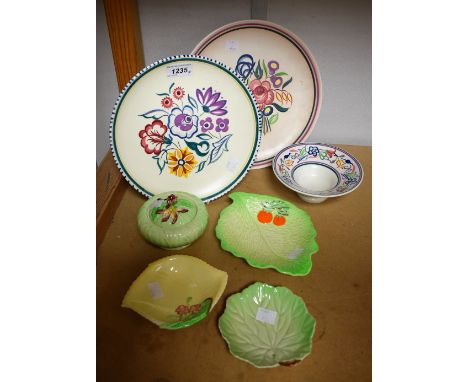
{"x": 280, "y": 71}
{"x": 185, "y": 123}
{"x": 267, "y": 326}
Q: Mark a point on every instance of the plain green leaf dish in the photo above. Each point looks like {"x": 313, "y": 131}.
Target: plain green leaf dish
{"x": 268, "y": 232}
{"x": 267, "y": 326}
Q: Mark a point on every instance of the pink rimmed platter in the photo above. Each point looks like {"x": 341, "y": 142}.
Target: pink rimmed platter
{"x": 185, "y": 123}
{"x": 280, "y": 71}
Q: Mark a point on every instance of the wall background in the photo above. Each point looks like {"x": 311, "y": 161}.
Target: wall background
{"x": 338, "y": 32}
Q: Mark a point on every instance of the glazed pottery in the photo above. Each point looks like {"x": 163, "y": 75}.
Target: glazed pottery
{"x": 268, "y": 232}
{"x": 172, "y": 220}
{"x": 282, "y": 74}
{"x": 185, "y": 123}
{"x": 267, "y": 326}
{"x": 176, "y": 291}
{"x": 317, "y": 171}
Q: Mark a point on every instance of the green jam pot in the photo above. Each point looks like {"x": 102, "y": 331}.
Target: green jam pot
{"x": 172, "y": 220}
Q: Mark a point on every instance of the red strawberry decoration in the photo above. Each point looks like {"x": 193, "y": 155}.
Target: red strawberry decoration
{"x": 279, "y": 220}
{"x": 265, "y": 216}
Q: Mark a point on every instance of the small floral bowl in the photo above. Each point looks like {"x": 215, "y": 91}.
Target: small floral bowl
{"x": 317, "y": 171}
{"x": 172, "y": 220}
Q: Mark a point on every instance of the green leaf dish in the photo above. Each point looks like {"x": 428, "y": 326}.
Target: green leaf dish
{"x": 172, "y": 220}
{"x": 268, "y": 232}
{"x": 267, "y": 326}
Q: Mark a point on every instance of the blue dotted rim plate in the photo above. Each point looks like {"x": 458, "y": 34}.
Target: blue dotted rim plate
{"x": 170, "y": 60}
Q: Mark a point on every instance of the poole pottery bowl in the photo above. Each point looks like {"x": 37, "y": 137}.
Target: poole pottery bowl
{"x": 176, "y": 291}
{"x": 268, "y": 232}
{"x": 317, "y": 171}
{"x": 172, "y": 220}
{"x": 267, "y": 326}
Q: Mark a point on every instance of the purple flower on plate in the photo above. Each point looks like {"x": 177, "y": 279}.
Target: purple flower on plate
{"x": 183, "y": 122}
{"x": 276, "y": 81}
{"x": 222, "y": 125}
{"x": 210, "y": 103}
{"x": 206, "y": 124}
{"x": 273, "y": 66}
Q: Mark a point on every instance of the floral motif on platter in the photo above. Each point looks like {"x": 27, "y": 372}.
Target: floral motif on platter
{"x": 186, "y": 133}
{"x": 267, "y": 83}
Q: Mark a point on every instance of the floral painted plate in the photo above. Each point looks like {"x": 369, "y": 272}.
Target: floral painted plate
{"x": 280, "y": 71}
{"x": 176, "y": 291}
{"x": 185, "y": 123}
{"x": 267, "y": 326}
{"x": 268, "y": 232}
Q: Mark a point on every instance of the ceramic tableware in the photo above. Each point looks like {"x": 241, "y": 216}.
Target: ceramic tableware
{"x": 185, "y": 123}
{"x": 176, "y": 291}
{"x": 267, "y": 326}
{"x": 282, "y": 74}
{"x": 268, "y": 232}
{"x": 172, "y": 220}
{"x": 317, "y": 171}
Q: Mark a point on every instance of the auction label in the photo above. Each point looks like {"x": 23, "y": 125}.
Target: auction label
{"x": 155, "y": 290}
{"x": 181, "y": 70}
{"x": 267, "y": 316}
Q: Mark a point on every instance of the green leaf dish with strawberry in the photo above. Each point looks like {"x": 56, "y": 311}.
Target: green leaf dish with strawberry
{"x": 268, "y": 232}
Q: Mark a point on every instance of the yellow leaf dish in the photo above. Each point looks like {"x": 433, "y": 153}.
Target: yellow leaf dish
{"x": 176, "y": 291}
